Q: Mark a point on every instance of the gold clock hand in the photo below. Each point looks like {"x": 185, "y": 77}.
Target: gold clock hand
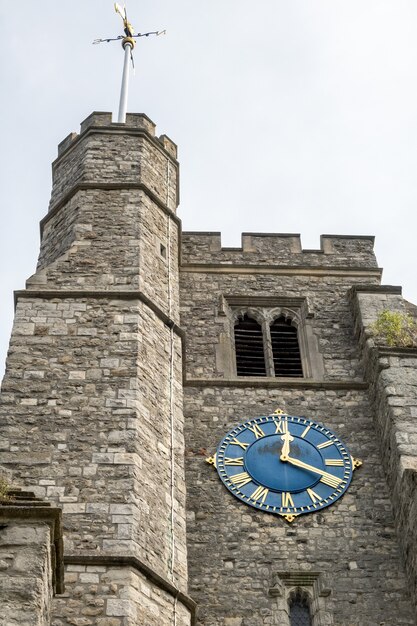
{"x": 286, "y": 438}
{"x": 327, "y": 479}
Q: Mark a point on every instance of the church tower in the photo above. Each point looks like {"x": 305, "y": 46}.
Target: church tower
{"x": 140, "y": 355}
{"x": 92, "y": 397}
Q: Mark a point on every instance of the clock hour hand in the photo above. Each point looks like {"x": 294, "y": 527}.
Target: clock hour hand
{"x": 286, "y": 438}
{"x": 328, "y": 479}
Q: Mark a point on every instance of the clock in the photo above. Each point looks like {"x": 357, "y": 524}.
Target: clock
{"x": 285, "y": 465}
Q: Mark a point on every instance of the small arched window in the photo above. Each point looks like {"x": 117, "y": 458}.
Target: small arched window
{"x": 285, "y": 348}
{"x": 299, "y": 611}
{"x": 249, "y": 345}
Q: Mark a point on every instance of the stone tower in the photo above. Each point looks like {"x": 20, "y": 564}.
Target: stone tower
{"x": 124, "y": 348}
{"x": 348, "y": 561}
{"x": 92, "y": 396}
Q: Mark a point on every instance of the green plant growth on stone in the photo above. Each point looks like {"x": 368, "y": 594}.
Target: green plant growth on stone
{"x": 4, "y": 489}
{"x": 395, "y": 329}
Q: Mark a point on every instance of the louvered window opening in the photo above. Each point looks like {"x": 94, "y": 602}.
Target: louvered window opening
{"x": 249, "y": 345}
{"x": 285, "y": 349}
{"x": 299, "y": 614}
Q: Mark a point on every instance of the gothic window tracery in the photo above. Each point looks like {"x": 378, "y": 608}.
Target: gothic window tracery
{"x": 264, "y": 336}
{"x": 299, "y": 611}
{"x": 266, "y": 344}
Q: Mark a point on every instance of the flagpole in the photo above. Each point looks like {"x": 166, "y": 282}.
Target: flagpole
{"x": 125, "y": 82}
{"x": 128, "y": 44}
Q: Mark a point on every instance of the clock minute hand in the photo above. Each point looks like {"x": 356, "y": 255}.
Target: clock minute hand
{"x": 327, "y": 479}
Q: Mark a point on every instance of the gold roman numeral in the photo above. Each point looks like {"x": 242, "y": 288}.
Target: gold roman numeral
{"x": 236, "y": 442}
{"x": 325, "y": 444}
{"x": 286, "y": 500}
{"x": 237, "y": 461}
{"x": 257, "y": 431}
{"x": 260, "y": 494}
{"x": 334, "y": 462}
{"x": 305, "y": 431}
{"x": 279, "y": 426}
{"x": 241, "y": 479}
{"x": 314, "y": 496}
{"x": 332, "y": 481}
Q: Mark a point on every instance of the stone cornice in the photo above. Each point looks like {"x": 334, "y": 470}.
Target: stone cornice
{"x": 391, "y": 289}
{"x": 277, "y": 383}
{"x": 396, "y": 351}
{"x": 280, "y": 270}
{"x": 135, "y": 563}
{"x": 62, "y": 294}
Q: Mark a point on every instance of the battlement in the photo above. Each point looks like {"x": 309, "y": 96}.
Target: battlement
{"x": 103, "y": 120}
{"x": 109, "y": 154}
{"x": 282, "y": 249}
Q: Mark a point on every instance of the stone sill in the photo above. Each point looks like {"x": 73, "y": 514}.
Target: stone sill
{"x": 384, "y": 350}
{"x": 275, "y": 383}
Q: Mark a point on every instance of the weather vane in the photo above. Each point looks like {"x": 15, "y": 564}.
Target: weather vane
{"x": 128, "y": 42}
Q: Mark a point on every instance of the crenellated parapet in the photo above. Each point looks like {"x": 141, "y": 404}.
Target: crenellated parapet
{"x": 113, "y": 154}
{"x": 280, "y": 249}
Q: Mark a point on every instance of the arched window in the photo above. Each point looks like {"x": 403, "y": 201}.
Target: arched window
{"x": 285, "y": 348}
{"x": 299, "y": 611}
{"x": 249, "y": 345}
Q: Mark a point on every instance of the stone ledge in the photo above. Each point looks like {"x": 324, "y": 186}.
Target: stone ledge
{"x": 12, "y": 511}
{"x": 134, "y": 562}
{"x": 383, "y": 351}
{"x": 391, "y": 289}
{"x": 62, "y": 294}
{"x": 276, "y": 383}
{"x": 106, "y": 187}
{"x": 279, "y": 269}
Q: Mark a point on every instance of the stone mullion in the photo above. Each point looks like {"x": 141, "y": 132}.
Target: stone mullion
{"x": 269, "y": 357}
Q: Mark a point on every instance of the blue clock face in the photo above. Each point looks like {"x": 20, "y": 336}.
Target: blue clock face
{"x": 284, "y": 464}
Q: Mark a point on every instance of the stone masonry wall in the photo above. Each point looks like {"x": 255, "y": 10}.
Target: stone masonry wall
{"x": 392, "y": 374}
{"x": 25, "y": 574}
{"x": 207, "y": 327}
{"x": 92, "y": 396}
{"x": 87, "y": 398}
{"x": 279, "y": 250}
{"x": 120, "y": 189}
{"x": 31, "y": 567}
{"x": 116, "y": 596}
{"x": 236, "y": 553}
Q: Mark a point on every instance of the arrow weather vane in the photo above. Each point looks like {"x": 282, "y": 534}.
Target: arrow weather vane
{"x": 128, "y": 42}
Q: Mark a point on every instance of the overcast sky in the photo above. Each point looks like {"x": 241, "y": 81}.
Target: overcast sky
{"x": 290, "y": 116}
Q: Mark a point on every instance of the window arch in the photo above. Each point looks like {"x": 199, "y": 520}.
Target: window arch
{"x": 285, "y": 348}
{"x": 249, "y": 346}
{"x": 270, "y": 318}
{"x": 300, "y": 610}
{"x": 301, "y": 599}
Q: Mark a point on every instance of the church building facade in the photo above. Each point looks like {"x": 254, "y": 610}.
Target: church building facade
{"x": 200, "y": 435}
